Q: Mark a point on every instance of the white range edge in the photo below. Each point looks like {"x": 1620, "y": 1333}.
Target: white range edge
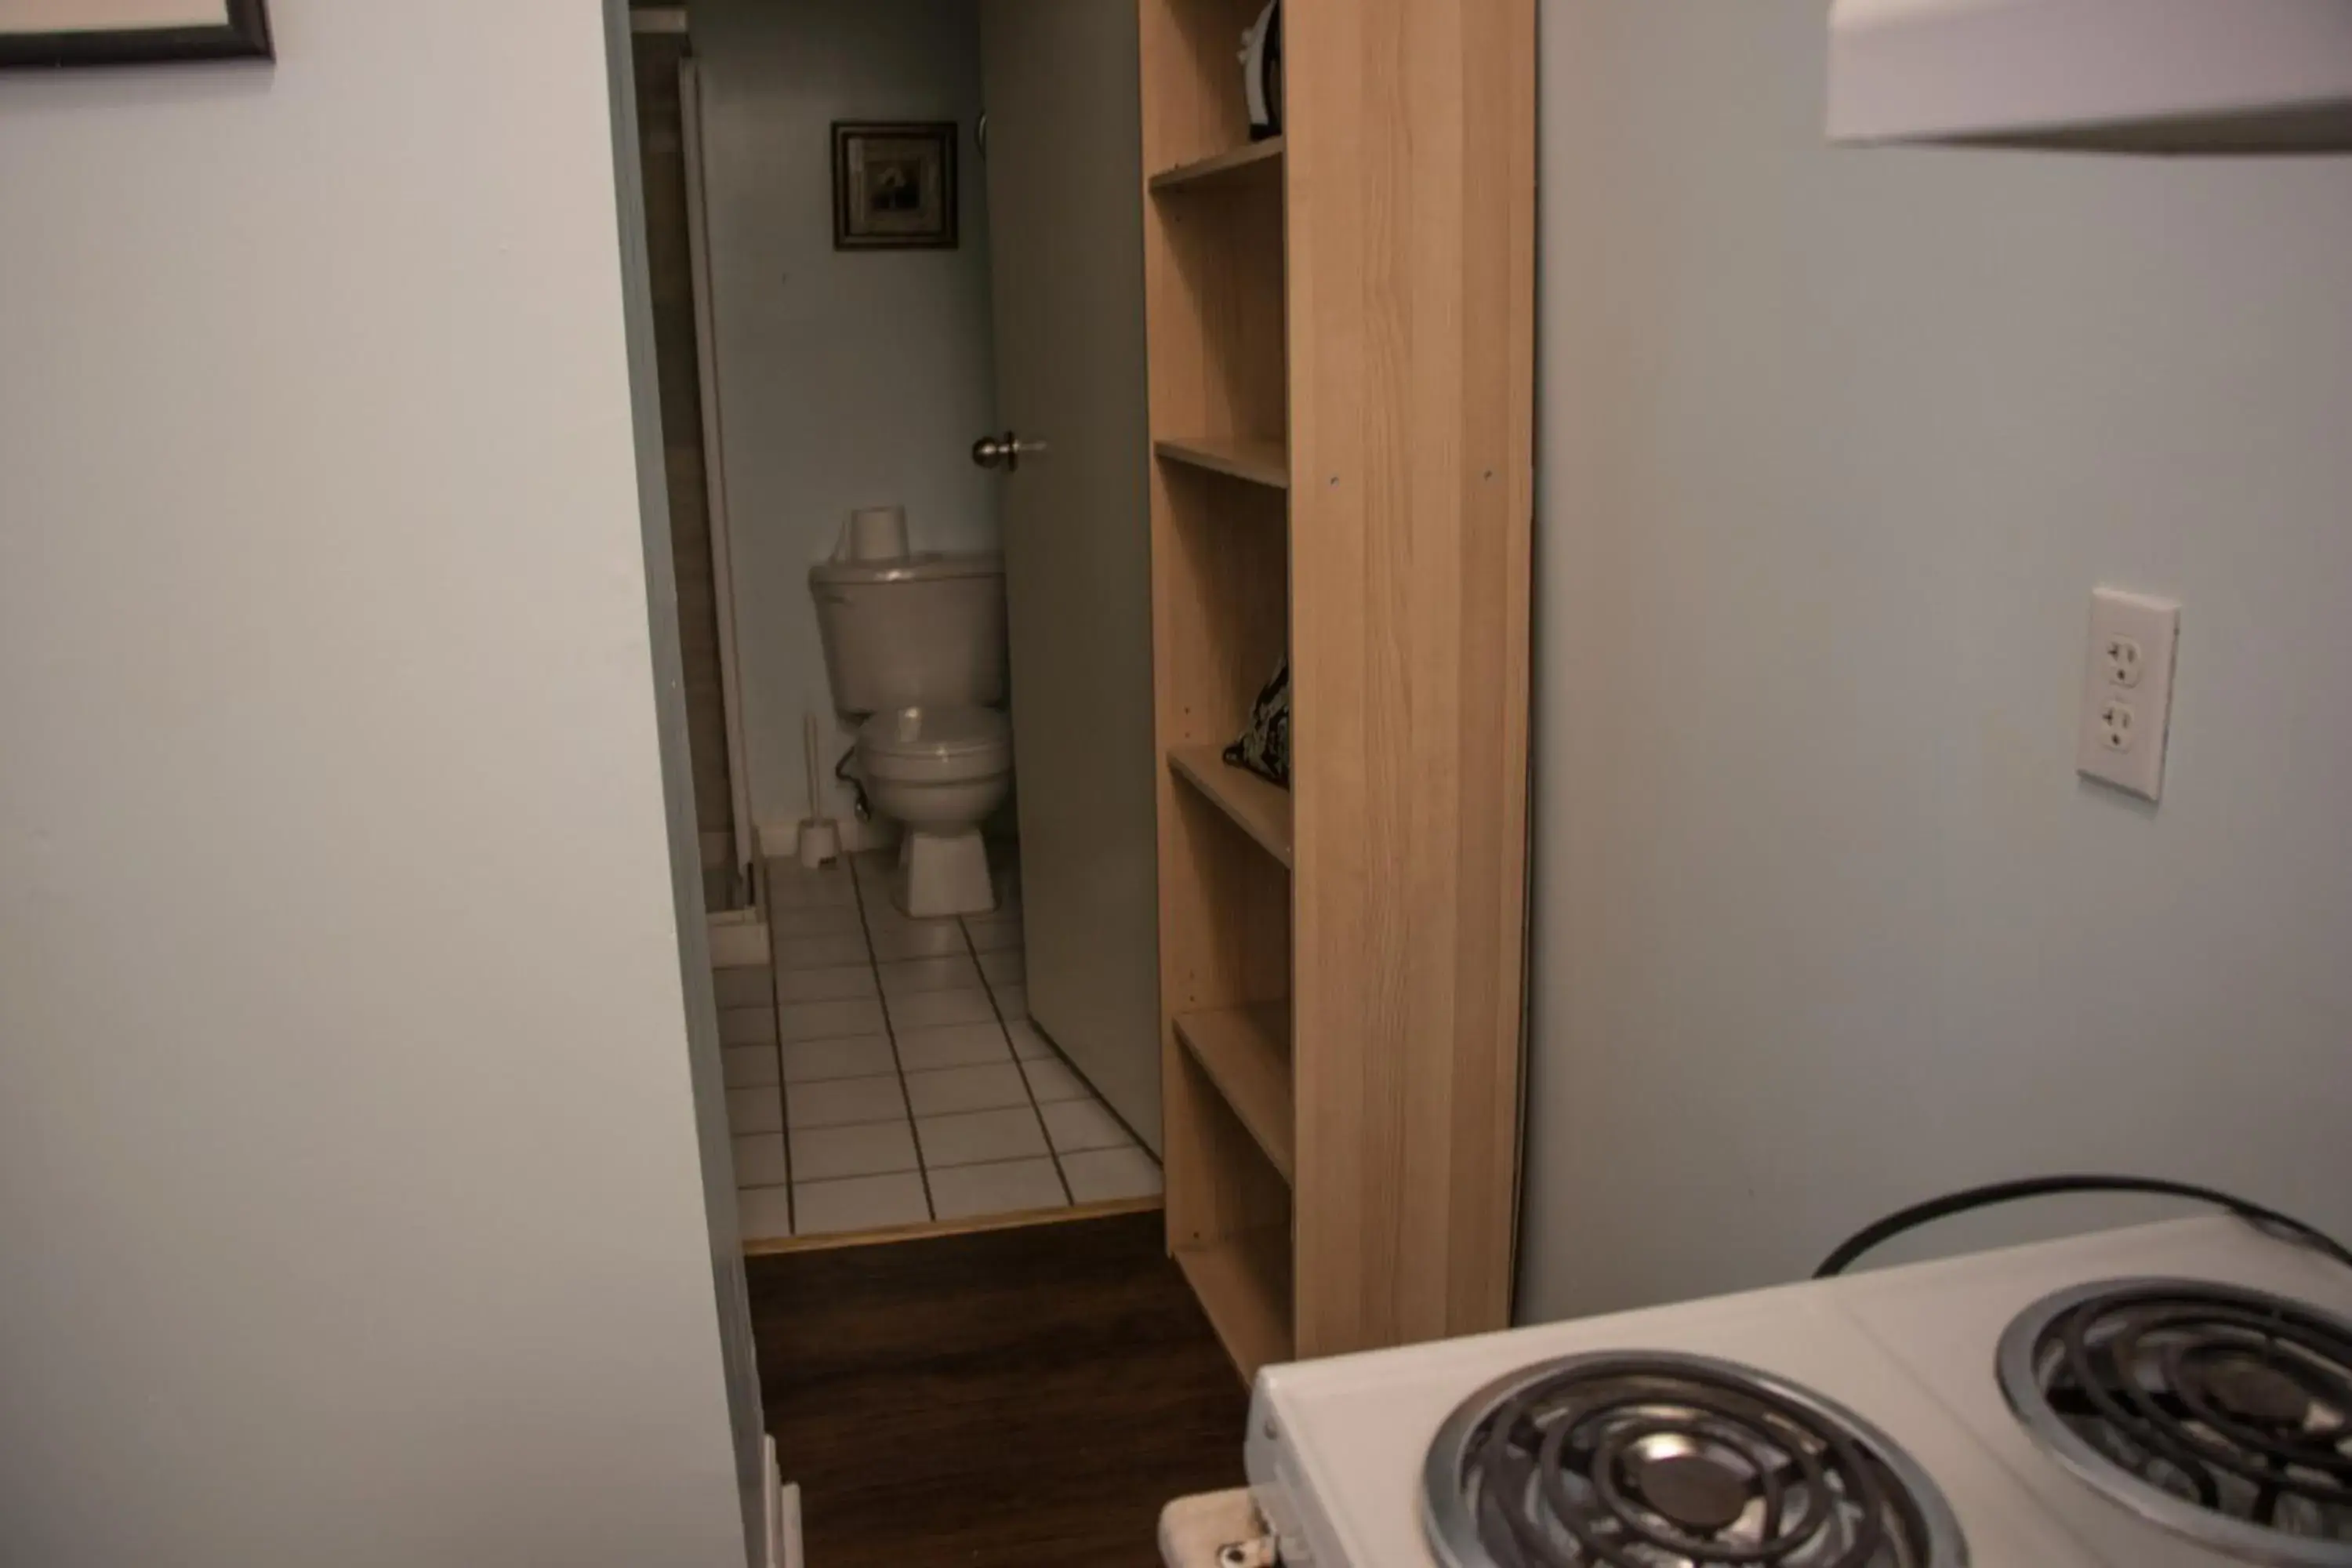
{"x": 1943, "y": 1320}
{"x": 1336, "y": 1447}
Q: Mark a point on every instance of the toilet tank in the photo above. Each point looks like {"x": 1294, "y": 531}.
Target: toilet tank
{"x": 917, "y": 629}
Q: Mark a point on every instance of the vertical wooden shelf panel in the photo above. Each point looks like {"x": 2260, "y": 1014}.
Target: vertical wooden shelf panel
{"x": 1410, "y": 161}
{"x": 1341, "y": 347}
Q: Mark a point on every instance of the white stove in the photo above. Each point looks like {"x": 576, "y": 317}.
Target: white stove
{"x": 1854, "y": 1423}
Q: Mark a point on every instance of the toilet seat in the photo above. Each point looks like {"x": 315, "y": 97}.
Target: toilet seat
{"x": 936, "y": 744}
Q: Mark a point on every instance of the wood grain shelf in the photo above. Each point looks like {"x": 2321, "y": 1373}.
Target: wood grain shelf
{"x": 1245, "y": 1051}
{"x": 1259, "y": 462}
{"x": 1243, "y": 1284}
{"x": 1260, "y": 809}
{"x": 1259, "y": 160}
{"x": 1292, "y": 330}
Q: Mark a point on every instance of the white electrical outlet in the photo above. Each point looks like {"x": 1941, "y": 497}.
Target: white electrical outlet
{"x": 2121, "y": 657}
{"x": 2127, "y": 691}
{"x": 2116, "y": 724}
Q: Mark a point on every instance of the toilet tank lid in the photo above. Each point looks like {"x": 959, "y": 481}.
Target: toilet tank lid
{"x": 936, "y": 730}
{"x": 928, "y": 567}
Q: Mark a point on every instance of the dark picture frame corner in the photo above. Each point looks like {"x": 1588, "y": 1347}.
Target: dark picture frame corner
{"x": 242, "y": 32}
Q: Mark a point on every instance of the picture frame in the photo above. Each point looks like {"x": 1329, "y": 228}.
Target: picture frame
{"x": 48, "y": 34}
{"x": 894, "y": 185}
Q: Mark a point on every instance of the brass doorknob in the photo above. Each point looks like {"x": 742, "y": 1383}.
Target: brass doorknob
{"x": 1003, "y": 451}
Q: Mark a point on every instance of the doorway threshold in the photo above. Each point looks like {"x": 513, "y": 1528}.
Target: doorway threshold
{"x": 933, "y": 1229}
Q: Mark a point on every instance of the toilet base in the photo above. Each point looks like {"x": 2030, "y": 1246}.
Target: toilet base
{"x": 943, "y": 874}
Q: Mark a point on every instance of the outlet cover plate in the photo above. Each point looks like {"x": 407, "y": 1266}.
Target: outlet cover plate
{"x": 2129, "y": 661}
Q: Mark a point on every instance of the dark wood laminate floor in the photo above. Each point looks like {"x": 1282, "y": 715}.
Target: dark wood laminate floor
{"x": 1024, "y": 1397}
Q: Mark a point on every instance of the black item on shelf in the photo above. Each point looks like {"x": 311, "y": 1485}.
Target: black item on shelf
{"x": 1264, "y": 747}
{"x": 1917, "y": 1214}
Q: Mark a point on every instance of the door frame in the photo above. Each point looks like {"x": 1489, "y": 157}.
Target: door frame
{"x": 714, "y": 471}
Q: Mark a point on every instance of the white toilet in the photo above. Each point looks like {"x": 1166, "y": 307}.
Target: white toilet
{"x": 914, "y": 647}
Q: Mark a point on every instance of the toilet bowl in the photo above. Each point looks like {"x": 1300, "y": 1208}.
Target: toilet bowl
{"x": 939, "y": 772}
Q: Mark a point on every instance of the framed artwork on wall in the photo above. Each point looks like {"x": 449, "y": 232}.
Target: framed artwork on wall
{"x": 894, "y": 185}
{"x": 131, "y": 32}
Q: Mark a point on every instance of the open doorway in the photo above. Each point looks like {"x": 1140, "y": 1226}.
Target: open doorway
{"x": 898, "y": 276}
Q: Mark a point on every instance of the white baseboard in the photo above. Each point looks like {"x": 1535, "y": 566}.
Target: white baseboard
{"x": 772, "y": 1507}
{"x": 782, "y": 1509}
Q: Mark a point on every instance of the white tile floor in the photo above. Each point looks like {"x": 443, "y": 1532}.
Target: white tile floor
{"x": 883, "y": 1072}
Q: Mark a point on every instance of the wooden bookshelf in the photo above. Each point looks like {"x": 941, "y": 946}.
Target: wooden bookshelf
{"x": 1245, "y": 1052}
{"x": 1258, "y": 161}
{"x": 1258, "y": 808}
{"x": 1259, "y": 462}
{"x": 1341, "y": 409}
{"x": 1243, "y": 1283}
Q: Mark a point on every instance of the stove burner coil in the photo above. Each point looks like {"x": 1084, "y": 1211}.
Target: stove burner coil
{"x": 2222, "y": 1415}
{"x": 1645, "y": 1459}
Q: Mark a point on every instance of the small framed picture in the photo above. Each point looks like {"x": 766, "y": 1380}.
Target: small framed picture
{"x": 131, "y": 32}
{"x": 894, "y": 185}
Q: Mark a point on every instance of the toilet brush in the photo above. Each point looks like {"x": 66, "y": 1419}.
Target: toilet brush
{"x": 820, "y": 836}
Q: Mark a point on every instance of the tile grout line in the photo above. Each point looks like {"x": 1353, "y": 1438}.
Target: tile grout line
{"x": 890, "y": 1028}
{"x": 988, "y": 987}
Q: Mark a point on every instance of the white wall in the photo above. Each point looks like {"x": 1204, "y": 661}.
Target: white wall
{"x": 348, "y": 1157}
{"x": 846, "y": 378}
{"x": 1834, "y": 445}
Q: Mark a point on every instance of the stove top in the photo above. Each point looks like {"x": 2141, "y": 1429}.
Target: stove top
{"x": 1658, "y": 1458}
{"x": 2166, "y": 1396}
{"x": 2223, "y": 1415}
{"x": 1340, "y": 1449}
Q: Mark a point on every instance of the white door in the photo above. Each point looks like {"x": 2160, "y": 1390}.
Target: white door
{"x": 1066, "y": 220}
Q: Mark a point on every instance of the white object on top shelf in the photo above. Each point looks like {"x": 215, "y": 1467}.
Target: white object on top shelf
{"x": 2142, "y": 76}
